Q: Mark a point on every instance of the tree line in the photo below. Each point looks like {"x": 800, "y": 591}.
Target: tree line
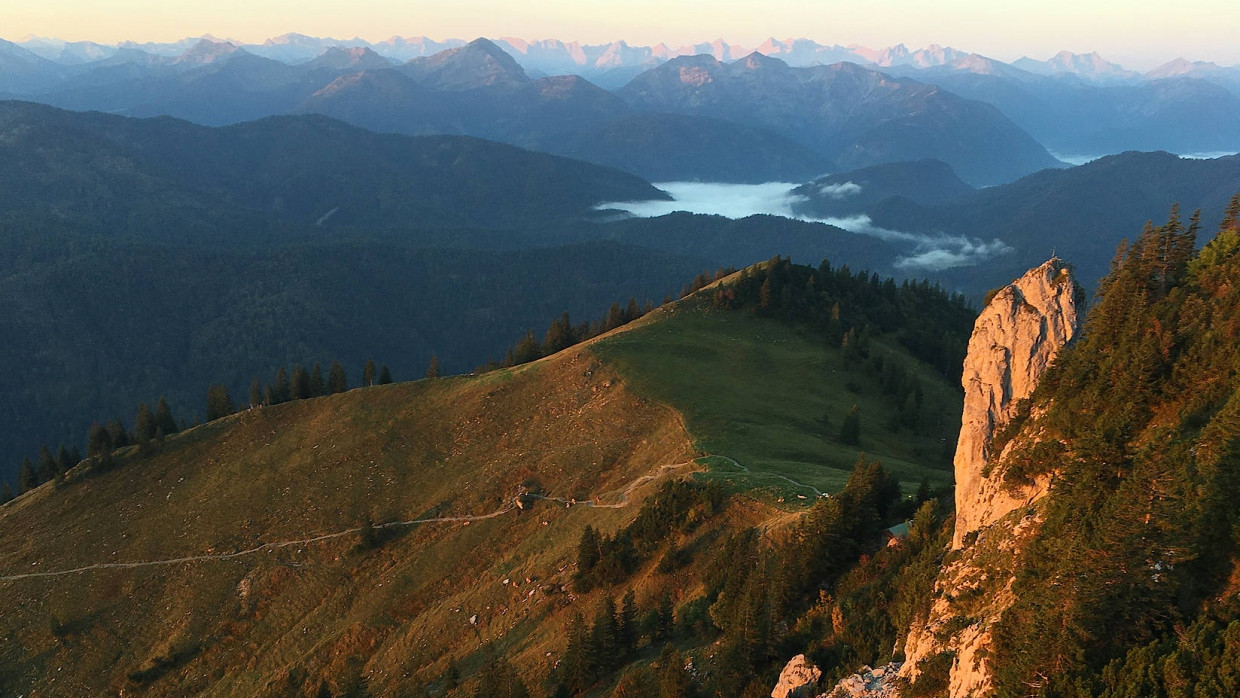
{"x": 153, "y": 425}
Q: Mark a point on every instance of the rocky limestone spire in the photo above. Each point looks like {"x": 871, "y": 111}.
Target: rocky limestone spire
{"x": 1016, "y": 337}
{"x": 1018, "y": 334}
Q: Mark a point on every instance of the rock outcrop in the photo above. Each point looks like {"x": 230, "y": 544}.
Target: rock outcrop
{"x": 869, "y": 683}
{"x": 1018, "y": 334}
{"x": 799, "y": 679}
{"x": 1016, "y": 337}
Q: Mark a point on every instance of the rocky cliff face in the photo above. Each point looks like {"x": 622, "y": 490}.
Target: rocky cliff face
{"x": 1018, "y": 334}
{"x": 1016, "y": 337}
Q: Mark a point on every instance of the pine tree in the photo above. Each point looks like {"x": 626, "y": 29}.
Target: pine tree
{"x": 632, "y": 311}
{"x": 163, "y": 418}
{"x": 65, "y": 460}
{"x": 605, "y": 636}
{"x": 282, "y": 391}
{"x": 337, "y": 382}
{"x": 588, "y": 551}
{"x": 98, "y": 441}
{"x": 626, "y": 623}
{"x": 317, "y": 386}
{"x": 368, "y": 373}
{"x": 26, "y": 478}
{"x": 118, "y": 433}
{"x": 666, "y": 618}
{"x": 578, "y": 673}
{"x": 559, "y": 335}
{"x": 299, "y": 385}
{"x": 47, "y": 465}
{"x": 145, "y": 425}
{"x": 219, "y": 404}
{"x": 432, "y": 370}
{"x": 385, "y": 375}
{"x": 526, "y": 350}
{"x": 615, "y": 317}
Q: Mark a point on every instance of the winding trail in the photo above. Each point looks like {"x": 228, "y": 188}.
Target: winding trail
{"x": 733, "y": 461}
{"x": 258, "y": 549}
{"x": 509, "y": 506}
{"x": 624, "y": 493}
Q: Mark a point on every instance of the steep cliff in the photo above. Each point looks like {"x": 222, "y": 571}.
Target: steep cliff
{"x": 1016, "y": 337}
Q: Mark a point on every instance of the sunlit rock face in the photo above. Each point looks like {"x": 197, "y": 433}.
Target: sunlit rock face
{"x": 1015, "y": 339}
{"x": 1017, "y": 336}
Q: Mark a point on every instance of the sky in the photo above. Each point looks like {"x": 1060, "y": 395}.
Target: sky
{"x": 1137, "y": 33}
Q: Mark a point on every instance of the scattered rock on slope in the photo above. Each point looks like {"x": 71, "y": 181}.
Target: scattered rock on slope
{"x": 799, "y": 679}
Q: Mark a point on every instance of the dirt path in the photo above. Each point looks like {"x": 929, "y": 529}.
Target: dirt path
{"x": 510, "y": 506}
{"x": 258, "y": 549}
{"x": 817, "y": 492}
{"x": 592, "y": 503}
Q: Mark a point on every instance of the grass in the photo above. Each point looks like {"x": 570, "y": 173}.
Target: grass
{"x": 756, "y": 390}
{"x": 451, "y": 446}
{"x": 677, "y": 385}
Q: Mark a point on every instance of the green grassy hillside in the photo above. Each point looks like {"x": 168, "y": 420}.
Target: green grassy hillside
{"x": 755, "y": 390}
{"x": 239, "y": 557}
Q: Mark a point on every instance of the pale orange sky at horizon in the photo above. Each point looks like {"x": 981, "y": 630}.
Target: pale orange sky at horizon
{"x": 1137, "y": 33}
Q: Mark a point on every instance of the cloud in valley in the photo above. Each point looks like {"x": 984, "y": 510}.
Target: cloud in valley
{"x": 924, "y": 252}
{"x": 839, "y": 192}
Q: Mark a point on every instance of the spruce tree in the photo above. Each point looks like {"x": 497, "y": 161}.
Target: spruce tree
{"x": 588, "y": 550}
{"x": 65, "y": 460}
{"x": 145, "y": 425}
{"x": 299, "y": 385}
{"x": 626, "y": 624}
{"x": 615, "y": 317}
{"x": 577, "y": 668}
{"x": 282, "y": 391}
{"x": 559, "y": 335}
{"x": 526, "y": 350}
{"x": 118, "y": 433}
{"x": 6, "y": 492}
{"x": 368, "y": 373}
{"x": 47, "y": 465}
{"x": 219, "y": 404}
{"x": 385, "y": 375}
{"x": 632, "y": 311}
{"x": 432, "y": 370}
{"x": 26, "y": 478}
{"x": 256, "y": 393}
{"x": 98, "y": 441}
{"x": 337, "y": 382}
{"x": 317, "y": 386}
{"x": 163, "y": 418}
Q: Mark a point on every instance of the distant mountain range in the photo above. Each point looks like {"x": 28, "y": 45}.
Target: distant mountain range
{"x": 855, "y": 115}
{"x": 599, "y": 102}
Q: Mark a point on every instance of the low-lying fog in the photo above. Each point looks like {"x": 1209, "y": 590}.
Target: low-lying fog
{"x": 1075, "y": 160}
{"x": 923, "y": 252}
